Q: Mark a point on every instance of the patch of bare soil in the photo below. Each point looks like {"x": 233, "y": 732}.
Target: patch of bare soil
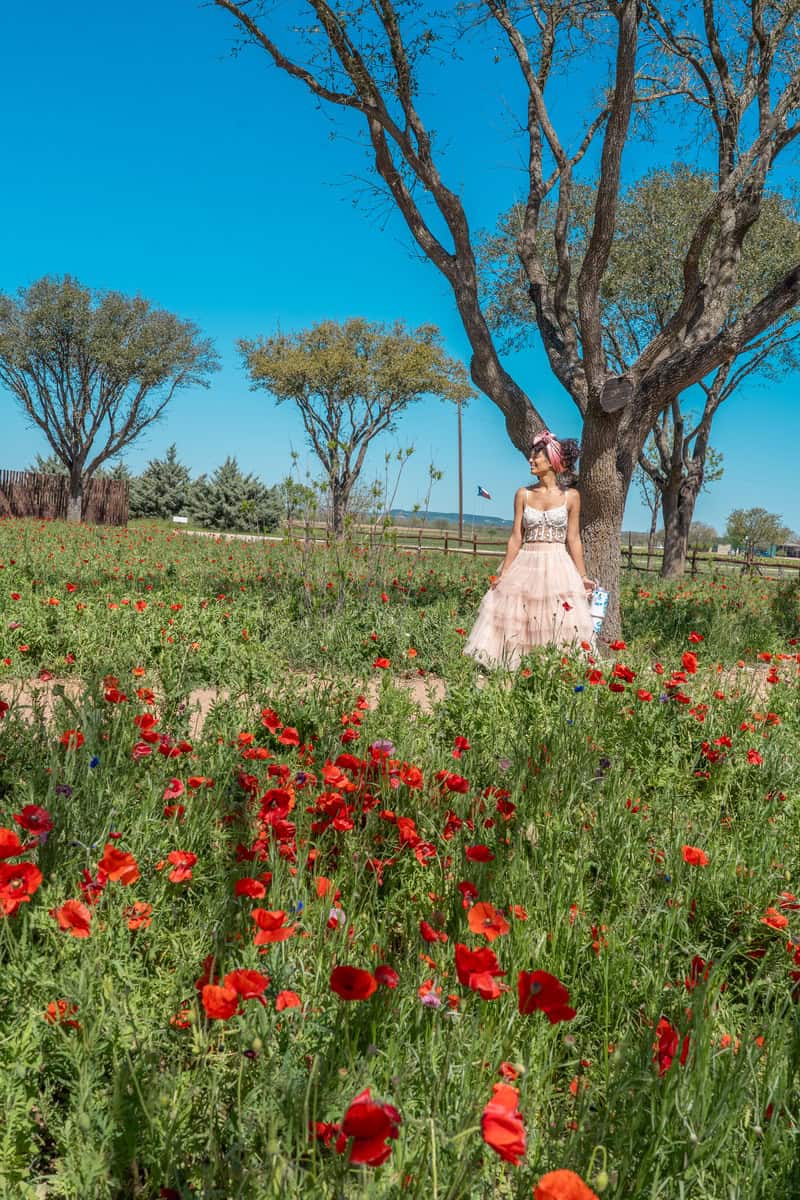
{"x": 30, "y": 697}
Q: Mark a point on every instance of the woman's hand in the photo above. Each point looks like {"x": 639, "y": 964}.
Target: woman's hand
{"x": 589, "y": 584}
{"x": 493, "y": 581}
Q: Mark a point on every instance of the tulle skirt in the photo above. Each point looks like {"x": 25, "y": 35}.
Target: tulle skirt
{"x": 539, "y": 600}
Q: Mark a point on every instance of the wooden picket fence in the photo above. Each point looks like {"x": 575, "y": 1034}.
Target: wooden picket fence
{"x": 30, "y": 494}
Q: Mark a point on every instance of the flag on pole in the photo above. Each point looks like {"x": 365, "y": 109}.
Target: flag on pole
{"x": 482, "y": 492}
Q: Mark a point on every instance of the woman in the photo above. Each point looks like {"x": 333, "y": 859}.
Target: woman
{"x": 541, "y": 596}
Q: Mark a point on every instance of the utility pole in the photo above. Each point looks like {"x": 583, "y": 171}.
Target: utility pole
{"x": 460, "y": 480}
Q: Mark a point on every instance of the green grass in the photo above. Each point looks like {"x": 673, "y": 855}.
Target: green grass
{"x": 583, "y": 795}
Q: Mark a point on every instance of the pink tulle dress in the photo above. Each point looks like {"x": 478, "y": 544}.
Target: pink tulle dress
{"x": 539, "y": 600}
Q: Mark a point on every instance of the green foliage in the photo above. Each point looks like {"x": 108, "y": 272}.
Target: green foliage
{"x": 350, "y": 383}
{"x": 49, "y": 464}
{"x": 93, "y": 369}
{"x": 755, "y": 529}
{"x": 643, "y": 283}
{"x": 232, "y": 500}
{"x": 163, "y": 488}
{"x": 702, "y": 536}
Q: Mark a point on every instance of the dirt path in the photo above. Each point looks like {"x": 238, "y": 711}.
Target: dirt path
{"x": 29, "y": 696}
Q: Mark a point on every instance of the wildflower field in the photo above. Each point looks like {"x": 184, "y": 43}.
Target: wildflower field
{"x": 527, "y": 936}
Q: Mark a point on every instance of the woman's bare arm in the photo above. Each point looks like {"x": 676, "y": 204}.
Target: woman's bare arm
{"x": 515, "y": 541}
{"x": 574, "y": 536}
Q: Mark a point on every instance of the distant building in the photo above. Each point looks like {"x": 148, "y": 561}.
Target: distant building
{"x": 788, "y": 550}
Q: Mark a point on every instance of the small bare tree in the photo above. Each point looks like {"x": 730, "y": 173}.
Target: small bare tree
{"x": 93, "y": 369}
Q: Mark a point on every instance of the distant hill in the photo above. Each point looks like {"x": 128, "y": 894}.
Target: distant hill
{"x": 418, "y": 518}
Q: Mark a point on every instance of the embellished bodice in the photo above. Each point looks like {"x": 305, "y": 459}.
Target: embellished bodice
{"x": 549, "y": 526}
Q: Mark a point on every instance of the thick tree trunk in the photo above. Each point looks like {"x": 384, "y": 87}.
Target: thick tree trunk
{"x": 603, "y": 488}
{"x": 678, "y": 506}
{"x": 340, "y": 495}
{"x": 75, "y": 497}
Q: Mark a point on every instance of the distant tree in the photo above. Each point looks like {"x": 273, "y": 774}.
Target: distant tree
{"x": 52, "y": 465}
{"x": 49, "y": 464}
{"x": 650, "y": 496}
{"x": 93, "y": 369}
{"x": 162, "y": 490}
{"x": 120, "y": 470}
{"x": 350, "y": 383}
{"x": 702, "y": 536}
{"x": 232, "y": 500}
{"x": 754, "y": 529}
{"x": 297, "y": 499}
{"x": 679, "y": 463}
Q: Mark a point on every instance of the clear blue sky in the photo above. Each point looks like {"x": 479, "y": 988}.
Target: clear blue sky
{"x": 142, "y": 156}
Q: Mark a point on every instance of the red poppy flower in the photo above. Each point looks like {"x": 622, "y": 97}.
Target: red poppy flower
{"x": 562, "y": 1185}
{"x": 271, "y": 927}
{"x": 74, "y": 918}
{"x": 247, "y": 886}
{"x": 220, "y": 1003}
{"x": 10, "y": 845}
{"x": 387, "y": 976}
{"x": 182, "y": 862}
{"x": 486, "y": 920}
{"x": 270, "y": 720}
{"x": 689, "y": 662}
{"x": 34, "y": 818}
{"x": 754, "y": 758}
{"x": 250, "y": 985}
{"x": 666, "y": 1046}
{"x": 775, "y": 919}
{"x": 119, "y": 866}
{"x": 61, "y": 1012}
{"x": 538, "y": 991}
{"x": 287, "y": 999}
{"x": 367, "y": 1127}
{"x": 478, "y": 970}
{"x": 289, "y": 737}
{"x": 411, "y": 776}
{"x": 694, "y": 856}
{"x": 73, "y": 739}
{"x": 139, "y": 915}
{"x": 695, "y": 637}
{"x": 17, "y": 885}
{"x": 173, "y": 790}
{"x": 478, "y": 853}
{"x": 382, "y": 664}
{"x": 501, "y": 1124}
{"x": 352, "y": 983}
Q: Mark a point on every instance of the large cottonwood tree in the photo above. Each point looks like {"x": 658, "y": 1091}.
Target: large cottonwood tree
{"x": 93, "y": 369}
{"x": 735, "y": 68}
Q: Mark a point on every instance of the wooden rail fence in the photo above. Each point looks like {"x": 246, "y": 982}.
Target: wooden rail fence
{"x": 447, "y": 541}
{"x": 30, "y": 494}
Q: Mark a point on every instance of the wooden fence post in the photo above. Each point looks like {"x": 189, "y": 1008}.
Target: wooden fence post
{"x": 474, "y": 543}
{"x": 446, "y": 536}
{"x": 630, "y": 552}
{"x": 694, "y": 561}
